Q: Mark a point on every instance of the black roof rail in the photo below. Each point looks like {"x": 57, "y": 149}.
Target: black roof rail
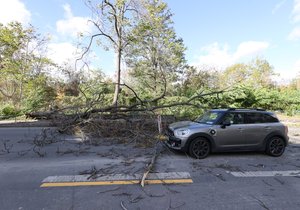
{"x": 257, "y": 109}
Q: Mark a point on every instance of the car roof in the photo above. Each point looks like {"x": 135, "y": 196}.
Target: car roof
{"x": 219, "y": 110}
{"x": 253, "y": 110}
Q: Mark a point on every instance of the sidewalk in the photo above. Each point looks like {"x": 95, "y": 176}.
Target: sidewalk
{"x": 26, "y": 123}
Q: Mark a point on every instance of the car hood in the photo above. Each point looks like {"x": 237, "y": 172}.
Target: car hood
{"x": 186, "y": 124}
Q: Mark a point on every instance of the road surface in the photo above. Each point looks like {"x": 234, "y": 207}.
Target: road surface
{"x": 222, "y": 181}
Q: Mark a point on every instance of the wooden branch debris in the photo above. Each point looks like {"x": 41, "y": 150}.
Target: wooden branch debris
{"x": 122, "y": 205}
{"x": 150, "y": 166}
{"x": 175, "y": 207}
{"x": 41, "y": 115}
{"x": 7, "y": 147}
{"x": 110, "y": 190}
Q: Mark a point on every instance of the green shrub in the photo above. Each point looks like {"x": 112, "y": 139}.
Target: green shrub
{"x": 9, "y": 111}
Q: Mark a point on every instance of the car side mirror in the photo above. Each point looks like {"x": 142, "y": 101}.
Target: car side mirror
{"x": 225, "y": 123}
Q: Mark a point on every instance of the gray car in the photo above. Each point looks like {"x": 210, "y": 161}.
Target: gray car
{"x": 222, "y": 130}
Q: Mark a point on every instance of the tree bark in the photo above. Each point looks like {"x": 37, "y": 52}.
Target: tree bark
{"x": 118, "y": 71}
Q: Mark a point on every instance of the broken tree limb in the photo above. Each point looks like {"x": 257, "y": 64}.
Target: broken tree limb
{"x": 150, "y": 166}
{"x": 85, "y": 111}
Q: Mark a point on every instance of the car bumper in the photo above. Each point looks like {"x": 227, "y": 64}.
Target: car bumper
{"x": 174, "y": 143}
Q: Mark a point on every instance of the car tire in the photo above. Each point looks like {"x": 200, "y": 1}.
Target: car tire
{"x": 275, "y": 146}
{"x": 199, "y": 148}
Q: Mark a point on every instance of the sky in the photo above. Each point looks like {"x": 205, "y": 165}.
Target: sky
{"x": 217, "y": 33}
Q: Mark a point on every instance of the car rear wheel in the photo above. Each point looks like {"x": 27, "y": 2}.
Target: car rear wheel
{"x": 199, "y": 148}
{"x": 275, "y": 147}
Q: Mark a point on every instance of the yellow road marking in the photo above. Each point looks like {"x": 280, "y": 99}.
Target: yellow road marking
{"x": 157, "y": 181}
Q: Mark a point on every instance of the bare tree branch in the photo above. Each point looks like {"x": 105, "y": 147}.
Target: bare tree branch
{"x": 117, "y": 29}
{"x": 135, "y": 94}
{"x": 87, "y": 49}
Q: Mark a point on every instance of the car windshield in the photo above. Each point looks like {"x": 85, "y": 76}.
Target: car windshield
{"x": 209, "y": 117}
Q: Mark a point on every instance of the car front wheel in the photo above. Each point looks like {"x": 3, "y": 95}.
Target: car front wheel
{"x": 275, "y": 147}
{"x": 199, "y": 148}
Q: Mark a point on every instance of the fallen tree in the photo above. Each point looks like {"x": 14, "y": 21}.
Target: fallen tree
{"x": 141, "y": 106}
{"x": 128, "y": 122}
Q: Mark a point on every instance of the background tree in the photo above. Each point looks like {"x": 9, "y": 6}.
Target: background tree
{"x": 156, "y": 57}
{"x": 113, "y": 21}
{"x": 195, "y": 80}
{"x": 22, "y": 61}
{"x": 257, "y": 73}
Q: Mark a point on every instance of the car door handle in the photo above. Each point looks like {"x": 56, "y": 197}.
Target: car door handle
{"x": 268, "y": 128}
{"x": 240, "y": 129}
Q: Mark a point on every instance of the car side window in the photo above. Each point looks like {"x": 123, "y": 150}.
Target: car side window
{"x": 234, "y": 118}
{"x": 254, "y": 118}
{"x": 270, "y": 119}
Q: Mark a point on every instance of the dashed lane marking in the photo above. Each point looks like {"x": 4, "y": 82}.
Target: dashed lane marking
{"x": 266, "y": 173}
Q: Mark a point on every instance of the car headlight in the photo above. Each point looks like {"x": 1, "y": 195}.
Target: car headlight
{"x": 182, "y": 132}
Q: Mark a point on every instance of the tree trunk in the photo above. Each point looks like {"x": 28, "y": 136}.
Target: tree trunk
{"x": 118, "y": 70}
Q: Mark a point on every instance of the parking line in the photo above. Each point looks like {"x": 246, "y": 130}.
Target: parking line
{"x": 117, "y": 182}
{"x": 266, "y": 173}
{"x": 116, "y": 179}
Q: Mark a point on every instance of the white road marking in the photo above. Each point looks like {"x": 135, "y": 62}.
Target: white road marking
{"x": 73, "y": 139}
{"x": 266, "y": 173}
{"x": 115, "y": 177}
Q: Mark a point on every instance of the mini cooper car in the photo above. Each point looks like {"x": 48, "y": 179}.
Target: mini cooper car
{"x": 222, "y": 130}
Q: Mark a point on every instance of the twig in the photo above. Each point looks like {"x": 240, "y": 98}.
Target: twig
{"x": 175, "y": 207}
{"x": 45, "y": 137}
{"x": 267, "y": 183}
{"x": 7, "y": 147}
{"x": 24, "y": 152}
{"x": 261, "y": 203}
{"x": 37, "y": 151}
{"x": 122, "y": 205}
{"x": 136, "y": 199}
{"x": 152, "y": 195}
{"x": 93, "y": 172}
{"x": 278, "y": 180}
{"x": 121, "y": 194}
{"x": 115, "y": 189}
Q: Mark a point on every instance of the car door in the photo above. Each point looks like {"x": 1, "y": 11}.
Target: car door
{"x": 256, "y": 130}
{"x": 232, "y": 135}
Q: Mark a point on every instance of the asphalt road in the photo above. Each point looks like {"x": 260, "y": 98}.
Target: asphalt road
{"x": 29, "y": 155}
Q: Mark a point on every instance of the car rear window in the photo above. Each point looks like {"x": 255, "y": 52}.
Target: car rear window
{"x": 270, "y": 118}
{"x": 253, "y": 118}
